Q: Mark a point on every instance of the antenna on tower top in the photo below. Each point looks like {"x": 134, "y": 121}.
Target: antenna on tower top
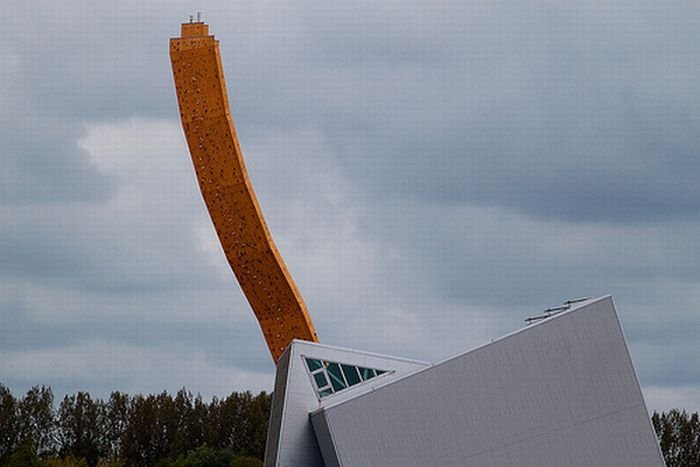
{"x": 191, "y": 19}
{"x": 199, "y": 16}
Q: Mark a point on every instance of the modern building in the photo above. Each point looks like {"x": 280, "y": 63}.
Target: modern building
{"x": 561, "y": 392}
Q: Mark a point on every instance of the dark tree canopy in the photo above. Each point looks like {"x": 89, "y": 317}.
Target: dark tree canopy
{"x": 153, "y": 430}
{"x": 679, "y": 437}
{"x": 185, "y": 431}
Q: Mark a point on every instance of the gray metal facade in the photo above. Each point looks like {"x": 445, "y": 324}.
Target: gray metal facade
{"x": 559, "y": 393}
{"x": 291, "y": 441}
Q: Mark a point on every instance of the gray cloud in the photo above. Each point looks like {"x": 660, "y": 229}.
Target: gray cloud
{"x": 456, "y": 103}
{"x": 432, "y": 173}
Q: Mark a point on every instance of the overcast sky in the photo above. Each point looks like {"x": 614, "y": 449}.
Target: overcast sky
{"x": 432, "y": 172}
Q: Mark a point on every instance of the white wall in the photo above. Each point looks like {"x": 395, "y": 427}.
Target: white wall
{"x": 559, "y": 393}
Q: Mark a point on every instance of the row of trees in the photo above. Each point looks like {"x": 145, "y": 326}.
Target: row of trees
{"x": 157, "y": 429}
{"x": 679, "y": 437}
{"x": 160, "y": 430}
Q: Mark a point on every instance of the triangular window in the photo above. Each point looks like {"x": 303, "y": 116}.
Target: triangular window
{"x": 331, "y": 377}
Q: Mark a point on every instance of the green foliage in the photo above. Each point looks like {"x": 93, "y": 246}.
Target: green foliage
{"x": 80, "y": 429}
{"x": 131, "y": 431}
{"x": 66, "y": 461}
{"x": 115, "y": 419}
{"x": 37, "y": 420}
{"x": 679, "y": 437}
{"x": 25, "y": 455}
{"x": 239, "y": 422}
{"x": 124, "y": 431}
{"x": 246, "y": 461}
{"x": 185, "y": 431}
{"x": 9, "y": 423}
{"x": 204, "y": 456}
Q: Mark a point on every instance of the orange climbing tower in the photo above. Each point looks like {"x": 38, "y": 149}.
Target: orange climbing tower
{"x": 228, "y": 193}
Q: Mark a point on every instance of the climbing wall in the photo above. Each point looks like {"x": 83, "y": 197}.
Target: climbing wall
{"x": 228, "y": 193}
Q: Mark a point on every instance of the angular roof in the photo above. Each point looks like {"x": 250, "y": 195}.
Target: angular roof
{"x": 310, "y": 375}
{"x": 562, "y": 392}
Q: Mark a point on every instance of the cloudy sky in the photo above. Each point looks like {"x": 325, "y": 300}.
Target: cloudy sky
{"x": 432, "y": 172}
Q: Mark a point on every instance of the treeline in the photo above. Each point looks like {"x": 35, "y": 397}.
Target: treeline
{"x": 185, "y": 431}
{"x": 679, "y": 437}
{"x": 123, "y": 430}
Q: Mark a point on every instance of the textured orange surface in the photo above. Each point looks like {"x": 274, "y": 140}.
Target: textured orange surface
{"x": 228, "y": 193}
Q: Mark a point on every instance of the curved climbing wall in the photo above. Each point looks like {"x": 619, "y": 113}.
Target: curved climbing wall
{"x": 228, "y": 193}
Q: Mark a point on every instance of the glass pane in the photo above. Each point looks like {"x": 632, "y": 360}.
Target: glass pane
{"x": 351, "y": 374}
{"x": 366, "y": 373}
{"x": 320, "y": 379}
{"x": 325, "y": 392}
{"x": 313, "y": 364}
{"x": 336, "y": 376}
{"x": 380, "y": 372}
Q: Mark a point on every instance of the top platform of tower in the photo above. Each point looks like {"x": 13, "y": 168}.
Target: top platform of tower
{"x": 194, "y": 29}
